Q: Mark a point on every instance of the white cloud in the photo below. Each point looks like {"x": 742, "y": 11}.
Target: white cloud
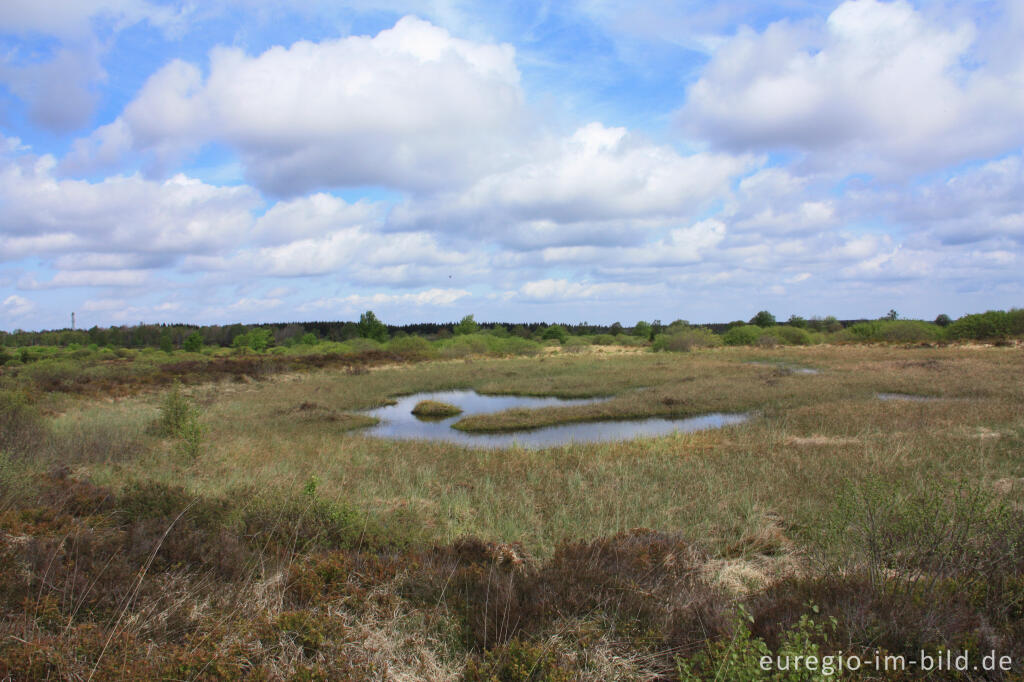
{"x": 73, "y": 19}
{"x": 311, "y": 216}
{"x": 880, "y": 87}
{"x": 42, "y": 215}
{"x": 599, "y": 184}
{"x": 552, "y": 290}
{"x": 57, "y": 91}
{"x": 985, "y": 202}
{"x": 428, "y": 297}
{"x": 16, "y": 306}
{"x": 412, "y": 107}
{"x": 88, "y": 278}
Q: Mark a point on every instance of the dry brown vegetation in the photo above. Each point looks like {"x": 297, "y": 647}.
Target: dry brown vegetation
{"x": 292, "y": 546}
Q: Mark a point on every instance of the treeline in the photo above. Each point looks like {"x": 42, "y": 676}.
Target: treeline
{"x": 762, "y": 328}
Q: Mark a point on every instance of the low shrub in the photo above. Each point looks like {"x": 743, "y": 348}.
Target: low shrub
{"x": 410, "y": 345}
{"x": 793, "y": 336}
{"x": 686, "y": 340}
{"x": 991, "y": 325}
{"x": 179, "y": 419}
{"x": 746, "y": 335}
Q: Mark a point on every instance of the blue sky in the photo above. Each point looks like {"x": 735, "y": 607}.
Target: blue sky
{"x": 591, "y": 160}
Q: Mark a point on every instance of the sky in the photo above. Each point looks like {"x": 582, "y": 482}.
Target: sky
{"x": 213, "y": 162}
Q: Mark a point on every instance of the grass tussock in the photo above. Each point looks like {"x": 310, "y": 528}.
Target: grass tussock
{"x": 433, "y": 409}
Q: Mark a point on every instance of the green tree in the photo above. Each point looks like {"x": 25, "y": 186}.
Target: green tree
{"x": 892, "y": 315}
{"x": 642, "y": 329}
{"x": 763, "y": 319}
{"x": 616, "y": 328}
{"x": 943, "y": 320}
{"x": 372, "y": 328}
{"x": 166, "y": 345}
{"x": 556, "y": 331}
{"x": 466, "y": 325}
{"x": 797, "y": 321}
{"x": 193, "y": 342}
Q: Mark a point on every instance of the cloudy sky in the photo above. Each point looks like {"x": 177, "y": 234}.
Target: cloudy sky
{"x": 584, "y": 160}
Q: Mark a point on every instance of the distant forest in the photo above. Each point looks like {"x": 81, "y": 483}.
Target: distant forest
{"x": 287, "y": 333}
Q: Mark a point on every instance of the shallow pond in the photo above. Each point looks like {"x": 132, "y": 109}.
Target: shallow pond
{"x": 780, "y": 365}
{"x": 397, "y": 421}
{"x": 906, "y": 396}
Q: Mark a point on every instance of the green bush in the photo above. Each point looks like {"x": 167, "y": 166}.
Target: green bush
{"x": 686, "y": 340}
{"x": 518, "y": 346}
{"x": 193, "y": 342}
{"x": 763, "y": 319}
{"x": 793, "y": 336}
{"x": 991, "y": 325}
{"x": 467, "y": 325}
{"x": 747, "y": 335}
{"x": 891, "y": 331}
{"x": 555, "y": 332}
{"x": 372, "y": 328}
{"x": 741, "y": 656}
{"x": 471, "y": 344}
{"x": 411, "y": 345}
{"x": 362, "y": 345}
{"x": 179, "y": 419}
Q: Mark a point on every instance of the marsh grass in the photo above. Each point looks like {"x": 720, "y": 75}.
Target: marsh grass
{"x": 433, "y": 409}
{"x": 829, "y": 495}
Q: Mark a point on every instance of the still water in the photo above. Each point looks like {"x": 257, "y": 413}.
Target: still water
{"x": 397, "y": 421}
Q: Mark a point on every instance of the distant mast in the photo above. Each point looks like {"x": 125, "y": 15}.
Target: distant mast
{"x": 72, "y": 322}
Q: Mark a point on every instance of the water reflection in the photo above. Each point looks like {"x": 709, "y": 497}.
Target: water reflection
{"x": 397, "y": 421}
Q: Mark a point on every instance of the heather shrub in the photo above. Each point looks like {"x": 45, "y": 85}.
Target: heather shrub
{"x": 738, "y": 657}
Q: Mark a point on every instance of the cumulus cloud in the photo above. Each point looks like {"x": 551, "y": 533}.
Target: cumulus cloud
{"x": 87, "y": 278}
{"x": 599, "y": 184}
{"x": 100, "y": 224}
{"x": 412, "y": 107}
{"x": 984, "y": 202}
{"x": 74, "y": 19}
{"x": 428, "y": 297}
{"x": 879, "y": 87}
{"x": 558, "y": 290}
{"x": 17, "y": 306}
{"x": 57, "y": 91}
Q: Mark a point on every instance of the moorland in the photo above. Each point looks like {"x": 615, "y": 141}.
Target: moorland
{"x": 220, "y": 512}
